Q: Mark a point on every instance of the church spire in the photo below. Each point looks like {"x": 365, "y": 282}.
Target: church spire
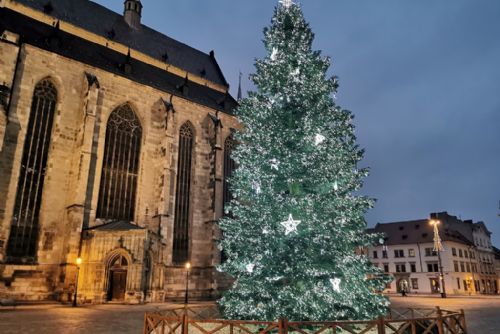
{"x": 132, "y": 13}
{"x": 240, "y": 95}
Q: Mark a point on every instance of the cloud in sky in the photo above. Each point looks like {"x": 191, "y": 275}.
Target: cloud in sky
{"x": 422, "y": 78}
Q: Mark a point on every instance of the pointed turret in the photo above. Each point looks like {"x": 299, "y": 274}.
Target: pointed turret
{"x": 240, "y": 95}
{"x": 132, "y": 13}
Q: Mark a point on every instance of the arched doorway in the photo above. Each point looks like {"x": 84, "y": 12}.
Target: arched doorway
{"x": 402, "y": 284}
{"x": 118, "y": 278}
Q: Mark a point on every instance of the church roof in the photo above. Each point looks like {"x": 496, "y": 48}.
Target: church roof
{"x": 117, "y": 226}
{"x": 99, "y": 20}
{"x": 71, "y": 46}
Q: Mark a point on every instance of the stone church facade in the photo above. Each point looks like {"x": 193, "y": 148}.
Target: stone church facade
{"x": 114, "y": 148}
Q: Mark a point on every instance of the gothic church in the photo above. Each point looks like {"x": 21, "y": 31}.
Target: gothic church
{"x": 115, "y": 146}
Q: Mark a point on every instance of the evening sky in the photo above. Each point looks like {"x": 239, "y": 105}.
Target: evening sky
{"x": 422, "y": 78}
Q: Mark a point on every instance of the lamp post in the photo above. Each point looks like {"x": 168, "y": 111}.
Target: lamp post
{"x": 78, "y": 263}
{"x": 188, "y": 266}
{"x": 438, "y": 248}
{"x": 472, "y": 269}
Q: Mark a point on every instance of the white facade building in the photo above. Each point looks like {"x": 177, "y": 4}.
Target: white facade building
{"x": 408, "y": 255}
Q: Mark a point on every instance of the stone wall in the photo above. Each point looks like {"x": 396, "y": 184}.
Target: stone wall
{"x": 9, "y": 50}
{"x": 86, "y": 98}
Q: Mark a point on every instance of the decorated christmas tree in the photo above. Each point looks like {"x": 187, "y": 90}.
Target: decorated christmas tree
{"x": 296, "y": 228}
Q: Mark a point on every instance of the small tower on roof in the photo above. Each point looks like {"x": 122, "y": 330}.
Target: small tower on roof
{"x": 132, "y": 13}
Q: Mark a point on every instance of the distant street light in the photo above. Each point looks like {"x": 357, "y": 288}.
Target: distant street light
{"x": 473, "y": 279}
{"x": 78, "y": 263}
{"x": 188, "y": 266}
{"x": 438, "y": 247}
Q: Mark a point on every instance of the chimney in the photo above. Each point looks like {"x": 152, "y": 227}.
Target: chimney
{"x": 132, "y": 13}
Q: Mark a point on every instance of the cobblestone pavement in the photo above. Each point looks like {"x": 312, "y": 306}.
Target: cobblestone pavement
{"x": 483, "y": 316}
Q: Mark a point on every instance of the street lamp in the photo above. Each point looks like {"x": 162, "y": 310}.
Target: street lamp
{"x": 78, "y": 263}
{"x": 188, "y": 266}
{"x": 472, "y": 268}
{"x": 438, "y": 248}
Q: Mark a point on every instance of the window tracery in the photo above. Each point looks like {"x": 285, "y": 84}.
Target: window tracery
{"x": 183, "y": 192}
{"x": 118, "y": 188}
{"x": 24, "y": 228}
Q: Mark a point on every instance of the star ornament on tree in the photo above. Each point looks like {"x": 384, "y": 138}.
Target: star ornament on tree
{"x": 286, "y": 3}
{"x": 290, "y": 225}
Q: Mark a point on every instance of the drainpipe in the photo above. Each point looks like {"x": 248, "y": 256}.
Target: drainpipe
{"x": 420, "y": 257}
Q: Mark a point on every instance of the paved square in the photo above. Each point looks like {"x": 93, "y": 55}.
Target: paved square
{"x": 483, "y": 316}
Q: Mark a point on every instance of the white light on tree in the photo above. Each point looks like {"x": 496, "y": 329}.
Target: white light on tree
{"x": 335, "y": 284}
{"x": 319, "y": 139}
{"x": 250, "y": 267}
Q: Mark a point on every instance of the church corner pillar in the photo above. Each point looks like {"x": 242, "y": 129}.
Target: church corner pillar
{"x": 79, "y": 211}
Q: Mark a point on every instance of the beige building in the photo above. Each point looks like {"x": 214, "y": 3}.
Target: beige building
{"x": 407, "y": 254}
{"x": 114, "y": 147}
{"x": 497, "y": 264}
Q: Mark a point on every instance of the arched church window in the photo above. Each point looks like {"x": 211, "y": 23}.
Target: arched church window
{"x": 120, "y": 262}
{"x": 120, "y": 170}
{"x": 24, "y": 228}
{"x": 229, "y": 167}
{"x": 182, "y": 205}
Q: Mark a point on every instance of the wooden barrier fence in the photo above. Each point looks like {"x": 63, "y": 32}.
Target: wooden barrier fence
{"x": 409, "y": 321}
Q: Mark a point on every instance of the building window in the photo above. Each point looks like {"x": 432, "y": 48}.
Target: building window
{"x": 375, "y": 255}
{"x": 384, "y": 254}
{"x": 24, "y": 227}
{"x": 400, "y": 267}
{"x": 466, "y": 285}
{"x": 411, "y": 252}
{"x": 120, "y": 168}
{"x": 468, "y": 267}
{"x": 414, "y": 283}
{"x": 430, "y": 252}
{"x": 229, "y": 167}
{"x": 460, "y": 254}
{"x": 183, "y": 195}
{"x": 386, "y": 267}
{"x": 466, "y": 254}
{"x": 458, "y": 283}
{"x": 4, "y": 96}
{"x": 462, "y": 267}
{"x": 399, "y": 253}
{"x": 472, "y": 255}
{"x": 432, "y": 267}
{"x": 455, "y": 265}
{"x": 413, "y": 267}
{"x": 454, "y": 251}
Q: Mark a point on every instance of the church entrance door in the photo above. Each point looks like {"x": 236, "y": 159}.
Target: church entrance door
{"x": 118, "y": 284}
{"x": 118, "y": 279}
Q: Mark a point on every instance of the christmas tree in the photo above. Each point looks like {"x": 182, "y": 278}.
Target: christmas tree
{"x": 295, "y": 229}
